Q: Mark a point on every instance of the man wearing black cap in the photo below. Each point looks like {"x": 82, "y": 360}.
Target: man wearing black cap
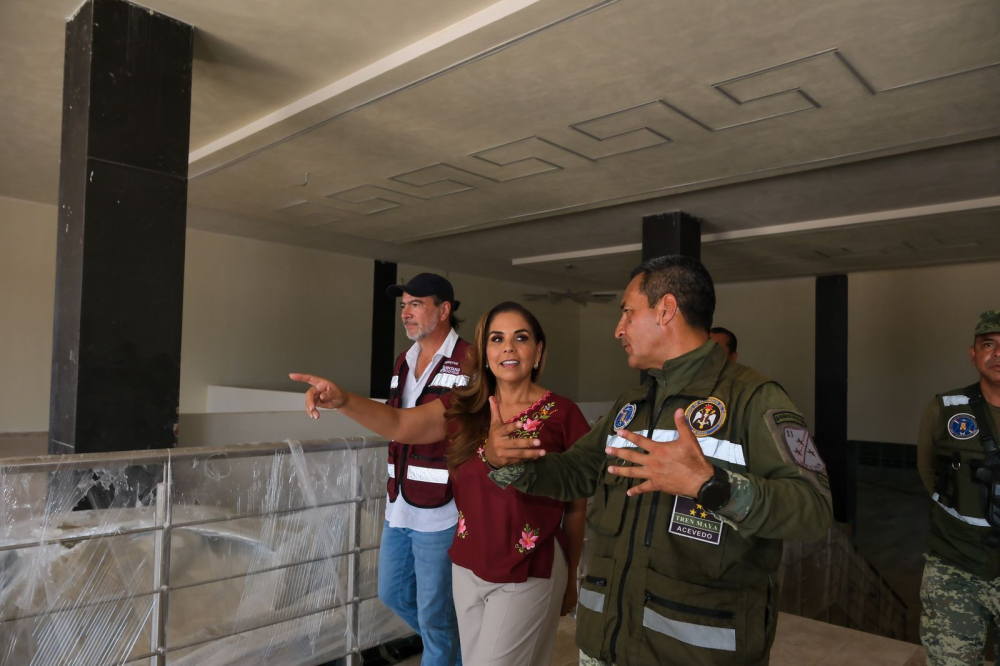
{"x": 420, "y": 516}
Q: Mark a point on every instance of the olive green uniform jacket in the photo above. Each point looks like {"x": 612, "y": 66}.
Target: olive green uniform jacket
{"x": 946, "y": 462}
{"x": 666, "y": 581}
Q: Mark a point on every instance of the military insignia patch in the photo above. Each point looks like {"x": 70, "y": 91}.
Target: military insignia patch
{"x": 963, "y": 426}
{"x": 625, "y": 416}
{"x": 803, "y": 449}
{"x": 693, "y": 521}
{"x": 796, "y": 446}
{"x": 704, "y": 417}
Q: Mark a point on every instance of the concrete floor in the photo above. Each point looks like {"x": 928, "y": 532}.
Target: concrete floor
{"x": 800, "y": 642}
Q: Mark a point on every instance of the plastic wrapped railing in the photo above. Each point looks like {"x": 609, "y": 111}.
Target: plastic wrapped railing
{"x": 264, "y": 553}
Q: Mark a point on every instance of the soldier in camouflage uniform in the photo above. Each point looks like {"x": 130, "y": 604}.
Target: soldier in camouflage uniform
{"x": 696, "y": 478}
{"x": 961, "y": 586}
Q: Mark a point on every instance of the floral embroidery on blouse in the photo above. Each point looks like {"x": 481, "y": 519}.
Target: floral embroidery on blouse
{"x": 462, "y": 529}
{"x": 528, "y": 538}
{"x": 532, "y": 421}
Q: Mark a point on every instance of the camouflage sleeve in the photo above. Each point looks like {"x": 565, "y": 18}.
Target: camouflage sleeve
{"x": 507, "y": 474}
{"x": 785, "y": 493}
{"x": 741, "y": 497}
{"x": 563, "y": 476}
{"x": 925, "y": 444}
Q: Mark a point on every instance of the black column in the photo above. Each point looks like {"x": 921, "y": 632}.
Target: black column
{"x": 383, "y": 329}
{"x": 671, "y": 233}
{"x": 831, "y": 393}
{"x": 122, "y": 205}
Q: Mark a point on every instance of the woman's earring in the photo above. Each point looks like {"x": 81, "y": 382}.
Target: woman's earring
{"x": 536, "y": 366}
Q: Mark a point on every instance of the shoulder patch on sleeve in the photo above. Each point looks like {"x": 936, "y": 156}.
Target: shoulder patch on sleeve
{"x": 795, "y": 444}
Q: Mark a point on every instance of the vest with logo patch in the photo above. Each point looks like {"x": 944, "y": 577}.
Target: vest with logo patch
{"x": 959, "y": 531}
{"x": 420, "y": 473}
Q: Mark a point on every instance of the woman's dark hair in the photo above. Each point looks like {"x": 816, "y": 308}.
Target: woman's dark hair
{"x": 470, "y": 407}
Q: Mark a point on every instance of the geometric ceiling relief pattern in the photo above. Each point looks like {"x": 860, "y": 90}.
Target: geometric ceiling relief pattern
{"x": 556, "y": 128}
{"x": 825, "y": 79}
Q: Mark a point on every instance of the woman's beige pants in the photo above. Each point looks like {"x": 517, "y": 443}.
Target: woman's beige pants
{"x": 509, "y": 624}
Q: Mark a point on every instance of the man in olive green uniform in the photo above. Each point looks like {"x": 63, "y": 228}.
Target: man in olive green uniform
{"x": 696, "y": 477}
{"x": 961, "y": 586}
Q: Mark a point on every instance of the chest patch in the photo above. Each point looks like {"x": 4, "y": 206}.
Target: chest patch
{"x": 625, "y": 416}
{"x": 704, "y": 417}
{"x": 963, "y": 426}
{"x": 693, "y": 521}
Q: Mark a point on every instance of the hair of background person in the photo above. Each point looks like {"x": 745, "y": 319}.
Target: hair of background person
{"x": 732, "y": 337}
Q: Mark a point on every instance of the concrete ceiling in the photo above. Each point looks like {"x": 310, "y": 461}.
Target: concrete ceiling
{"x": 466, "y": 135}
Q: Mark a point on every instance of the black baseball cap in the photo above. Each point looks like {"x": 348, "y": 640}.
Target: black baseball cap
{"x": 426, "y": 284}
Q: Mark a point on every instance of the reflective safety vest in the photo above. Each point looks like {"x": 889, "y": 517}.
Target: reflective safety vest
{"x": 960, "y": 534}
{"x": 421, "y": 472}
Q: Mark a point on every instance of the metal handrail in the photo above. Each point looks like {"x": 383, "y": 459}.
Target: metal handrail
{"x": 163, "y": 526}
{"x": 27, "y": 464}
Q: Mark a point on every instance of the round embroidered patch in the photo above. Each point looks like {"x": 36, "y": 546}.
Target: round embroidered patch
{"x": 705, "y": 416}
{"x": 625, "y": 416}
{"x": 963, "y": 426}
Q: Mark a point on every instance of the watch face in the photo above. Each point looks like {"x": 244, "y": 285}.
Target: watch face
{"x": 715, "y": 495}
{"x": 716, "y": 491}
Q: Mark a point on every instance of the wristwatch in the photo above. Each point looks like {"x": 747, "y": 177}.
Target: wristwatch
{"x": 714, "y": 493}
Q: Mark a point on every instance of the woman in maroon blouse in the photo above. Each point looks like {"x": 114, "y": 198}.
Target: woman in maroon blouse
{"x": 515, "y": 556}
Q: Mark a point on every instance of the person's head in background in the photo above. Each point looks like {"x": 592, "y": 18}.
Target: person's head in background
{"x": 727, "y": 340}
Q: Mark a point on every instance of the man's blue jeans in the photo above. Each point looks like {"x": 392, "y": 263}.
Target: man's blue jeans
{"x": 421, "y": 595}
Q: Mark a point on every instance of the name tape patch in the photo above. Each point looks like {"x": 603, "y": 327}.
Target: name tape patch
{"x": 693, "y": 521}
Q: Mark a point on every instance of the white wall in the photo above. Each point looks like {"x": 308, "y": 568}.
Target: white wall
{"x": 27, "y": 295}
{"x": 775, "y": 322}
{"x": 604, "y": 371}
{"x": 255, "y": 311}
{"x": 909, "y": 334}
{"x": 477, "y": 295}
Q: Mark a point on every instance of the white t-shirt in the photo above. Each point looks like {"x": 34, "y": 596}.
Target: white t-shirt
{"x": 400, "y": 513}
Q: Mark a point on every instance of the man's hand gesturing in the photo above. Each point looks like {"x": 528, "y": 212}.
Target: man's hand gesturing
{"x": 500, "y": 448}
{"x": 677, "y": 468}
